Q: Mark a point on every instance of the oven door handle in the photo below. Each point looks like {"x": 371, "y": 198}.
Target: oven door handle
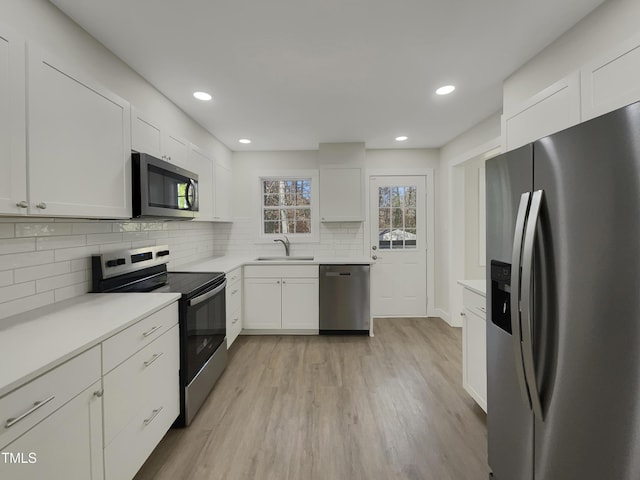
{"x": 208, "y": 295}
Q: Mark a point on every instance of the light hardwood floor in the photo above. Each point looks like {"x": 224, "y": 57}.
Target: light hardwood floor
{"x": 335, "y": 408}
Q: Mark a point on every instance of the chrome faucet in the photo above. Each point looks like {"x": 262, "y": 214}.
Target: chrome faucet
{"x": 286, "y": 244}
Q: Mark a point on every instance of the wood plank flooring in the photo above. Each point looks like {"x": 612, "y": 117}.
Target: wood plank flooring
{"x": 332, "y": 408}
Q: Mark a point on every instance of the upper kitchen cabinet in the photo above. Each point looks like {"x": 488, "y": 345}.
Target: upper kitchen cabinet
{"x": 201, "y": 164}
{"x": 341, "y": 194}
{"x": 147, "y": 136}
{"x": 13, "y": 160}
{"x": 612, "y": 80}
{"x": 553, "y": 109}
{"x": 79, "y": 143}
{"x": 222, "y": 205}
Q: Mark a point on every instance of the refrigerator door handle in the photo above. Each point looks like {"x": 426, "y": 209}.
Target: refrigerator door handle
{"x": 527, "y": 284}
{"x": 515, "y": 294}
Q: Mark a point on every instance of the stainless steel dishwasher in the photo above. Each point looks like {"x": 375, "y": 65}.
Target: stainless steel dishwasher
{"x": 344, "y": 299}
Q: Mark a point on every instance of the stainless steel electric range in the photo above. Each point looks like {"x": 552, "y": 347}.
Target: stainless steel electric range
{"x": 203, "y": 344}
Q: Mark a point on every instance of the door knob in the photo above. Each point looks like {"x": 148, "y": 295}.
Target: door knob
{"x": 22, "y": 204}
{"x": 375, "y": 257}
{"x": 41, "y": 205}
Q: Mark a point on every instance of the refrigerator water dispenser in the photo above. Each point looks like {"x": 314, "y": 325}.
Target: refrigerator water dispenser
{"x": 501, "y": 295}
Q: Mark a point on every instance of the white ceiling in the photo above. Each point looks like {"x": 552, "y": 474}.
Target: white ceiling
{"x": 290, "y": 74}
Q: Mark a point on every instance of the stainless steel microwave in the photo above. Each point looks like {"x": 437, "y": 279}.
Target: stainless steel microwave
{"x": 161, "y": 189}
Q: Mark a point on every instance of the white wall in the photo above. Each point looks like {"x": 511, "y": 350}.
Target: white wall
{"x": 472, "y": 268}
{"x": 476, "y": 141}
{"x": 600, "y": 31}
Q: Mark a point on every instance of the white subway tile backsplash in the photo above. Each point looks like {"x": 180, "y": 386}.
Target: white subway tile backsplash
{"x": 15, "y": 291}
{"x": 67, "y": 241}
{"x": 42, "y": 229}
{"x": 134, "y": 236}
{"x": 71, "y": 291}
{"x": 63, "y": 254}
{"x": 81, "y": 264}
{"x": 6, "y": 278}
{"x": 114, "y": 247}
{"x": 17, "y": 245}
{"x": 126, "y": 227}
{"x": 59, "y": 281}
{"x": 41, "y": 271}
{"x": 91, "y": 227}
{"x": 25, "y": 304}
{"x": 7, "y": 230}
{"x": 19, "y": 260}
{"x": 102, "y": 238}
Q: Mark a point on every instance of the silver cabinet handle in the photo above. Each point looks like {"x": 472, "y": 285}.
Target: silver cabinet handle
{"x": 12, "y": 421}
{"x": 278, "y": 282}
{"x": 98, "y": 393}
{"x": 283, "y": 282}
{"x": 22, "y": 204}
{"x": 515, "y": 294}
{"x": 153, "y": 415}
{"x": 41, "y": 205}
{"x": 153, "y": 359}
{"x": 374, "y": 257}
{"x": 483, "y": 309}
{"x": 234, "y": 292}
{"x": 527, "y": 285}
{"x": 235, "y": 320}
{"x": 153, "y": 330}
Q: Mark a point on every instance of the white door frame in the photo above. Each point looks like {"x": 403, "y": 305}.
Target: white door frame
{"x": 456, "y": 260}
{"x": 430, "y": 223}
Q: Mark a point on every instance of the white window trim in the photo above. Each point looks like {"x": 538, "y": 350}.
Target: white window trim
{"x": 314, "y": 236}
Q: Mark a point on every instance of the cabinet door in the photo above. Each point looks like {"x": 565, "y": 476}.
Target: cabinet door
{"x": 222, "y": 193}
{"x": 13, "y": 143}
{"x": 262, "y": 303}
{"x": 341, "y": 194}
{"x": 67, "y": 444}
{"x": 201, "y": 164}
{"x": 555, "y": 108}
{"x": 146, "y": 135}
{"x": 611, "y": 81}
{"x": 79, "y": 143}
{"x": 475, "y": 357}
{"x": 175, "y": 150}
{"x": 300, "y": 309}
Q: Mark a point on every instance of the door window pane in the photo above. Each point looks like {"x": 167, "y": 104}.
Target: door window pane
{"x": 397, "y": 226}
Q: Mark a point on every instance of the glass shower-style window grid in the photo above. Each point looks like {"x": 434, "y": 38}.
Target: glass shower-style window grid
{"x": 397, "y": 221}
{"x": 286, "y": 206}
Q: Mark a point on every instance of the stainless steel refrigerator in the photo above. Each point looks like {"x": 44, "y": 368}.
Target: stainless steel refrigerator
{"x": 563, "y": 298}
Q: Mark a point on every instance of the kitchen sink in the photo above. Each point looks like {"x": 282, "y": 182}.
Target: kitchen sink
{"x": 279, "y": 259}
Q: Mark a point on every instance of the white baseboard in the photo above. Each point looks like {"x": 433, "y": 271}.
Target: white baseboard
{"x": 445, "y": 316}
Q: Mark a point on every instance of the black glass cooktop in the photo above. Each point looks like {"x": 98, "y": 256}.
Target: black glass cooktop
{"x": 189, "y": 284}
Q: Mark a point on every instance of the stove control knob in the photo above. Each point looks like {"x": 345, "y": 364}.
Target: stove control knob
{"x": 116, "y": 262}
{"x": 162, "y": 253}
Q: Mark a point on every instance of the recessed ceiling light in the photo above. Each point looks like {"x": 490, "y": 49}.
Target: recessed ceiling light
{"x": 204, "y": 96}
{"x": 401, "y": 138}
{"x": 446, "y": 90}
{"x": 244, "y": 140}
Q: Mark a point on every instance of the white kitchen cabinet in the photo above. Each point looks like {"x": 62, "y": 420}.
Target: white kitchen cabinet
{"x": 553, "y": 109}
{"x": 474, "y": 347}
{"x": 67, "y": 444}
{"x": 234, "y": 305}
{"x": 13, "y": 142}
{"x": 223, "y": 186}
{"x": 612, "y": 80}
{"x": 281, "y": 298}
{"x": 79, "y": 143}
{"x": 341, "y": 194}
{"x": 201, "y": 163}
{"x": 149, "y": 136}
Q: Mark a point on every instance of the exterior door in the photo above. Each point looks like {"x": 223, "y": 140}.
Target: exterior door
{"x": 398, "y": 246}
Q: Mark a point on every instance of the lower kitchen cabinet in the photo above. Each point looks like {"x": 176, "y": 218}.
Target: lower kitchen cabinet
{"x": 66, "y": 445}
{"x": 474, "y": 347}
{"x": 281, "y": 298}
{"x": 234, "y": 305}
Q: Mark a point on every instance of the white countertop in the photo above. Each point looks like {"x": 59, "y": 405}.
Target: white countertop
{"x": 34, "y": 342}
{"x": 228, "y": 263}
{"x": 478, "y": 286}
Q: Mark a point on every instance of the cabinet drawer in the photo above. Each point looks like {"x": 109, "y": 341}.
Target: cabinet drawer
{"x": 52, "y": 390}
{"x": 234, "y": 325}
{"x": 118, "y": 348}
{"x": 234, "y": 276}
{"x": 124, "y": 456}
{"x": 474, "y": 302}
{"x": 279, "y": 271}
{"x": 234, "y": 296}
{"x": 127, "y": 387}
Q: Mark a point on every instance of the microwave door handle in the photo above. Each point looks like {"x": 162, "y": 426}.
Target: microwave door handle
{"x": 527, "y": 314}
{"x": 515, "y": 294}
{"x": 207, "y": 295}
{"x": 190, "y": 194}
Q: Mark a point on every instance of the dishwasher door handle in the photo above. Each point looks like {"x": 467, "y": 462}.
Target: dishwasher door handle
{"x": 338, "y": 274}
